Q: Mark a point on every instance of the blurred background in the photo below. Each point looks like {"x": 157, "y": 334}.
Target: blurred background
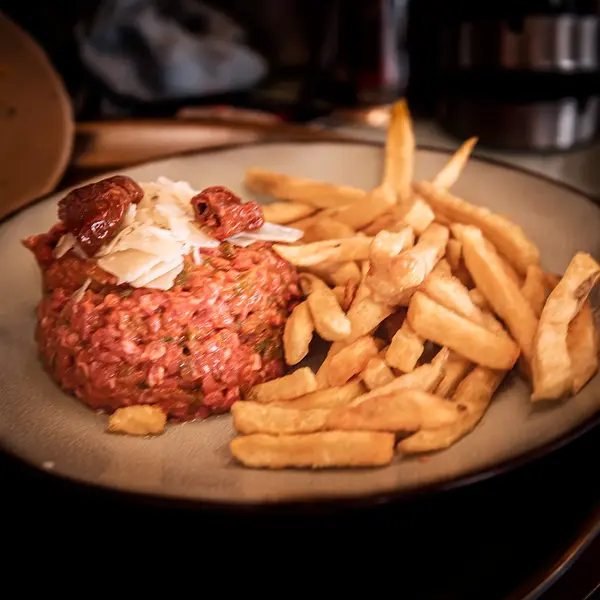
{"x": 521, "y": 75}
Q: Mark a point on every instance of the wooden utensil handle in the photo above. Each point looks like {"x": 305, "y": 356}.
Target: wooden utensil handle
{"x": 119, "y": 143}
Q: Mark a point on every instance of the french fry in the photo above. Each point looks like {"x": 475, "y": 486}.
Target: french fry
{"x": 376, "y": 373}
{"x": 534, "y": 289}
{"x": 139, "y": 419}
{"x": 342, "y": 250}
{"x": 405, "y": 349}
{"x": 442, "y": 268}
{"x": 328, "y": 398}
{"x": 325, "y": 449}
{"x": 322, "y": 375}
{"x": 501, "y": 292}
{"x": 454, "y": 254}
{"x": 551, "y": 365}
{"x": 582, "y": 343}
{"x": 337, "y": 273}
{"x": 327, "y": 315}
{"x": 316, "y": 193}
{"x": 509, "y": 238}
{"x": 386, "y": 245}
{"x": 307, "y": 222}
{"x": 297, "y": 334}
{"x": 400, "y": 152}
{"x": 452, "y": 294}
{"x": 474, "y": 395}
{"x": 457, "y": 368}
{"x": 340, "y": 295}
{"x": 351, "y": 360}
{"x": 434, "y": 322}
{"x": 286, "y": 212}
{"x": 296, "y": 384}
{"x": 479, "y": 300}
{"x": 406, "y": 410}
{"x": 425, "y": 378}
{"x": 358, "y": 215}
{"x": 327, "y": 228}
{"x": 393, "y": 281}
{"x": 384, "y": 222}
{"x": 253, "y": 417}
{"x": 419, "y": 215}
{"x": 452, "y": 170}
{"x": 365, "y": 316}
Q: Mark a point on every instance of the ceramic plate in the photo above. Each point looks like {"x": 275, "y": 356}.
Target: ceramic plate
{"x": 49, "y": 429}
{"x": 36, "y": 122}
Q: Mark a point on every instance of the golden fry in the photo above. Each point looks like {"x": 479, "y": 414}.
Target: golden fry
{"x": 297, "y": 334}
{"x": 253, "y": 417}
{"x": 501, "y": 292}
{"x": 306, "y": 255}
{"x": 509, "y": 238}
{"x": 400, "y": 152}
{"x": 454, "y": 254}
{"x": 406, "y": 410}
{"x": 286, "y": 212}
{"x": 296, "y": 384}
{"x": 336, "y": 273}
{"x": 325, "y": 449}
{"x": 329, "y": 319}
{"x": 351, "y": 360}
{"x": 405, "y": 349}
{"x": 365, "y": 316}
{"x": 452, "y": 170}
{"x": 452, "y": 294}
{"x": 140, "y": 419}
{"x": 327, "y": 228}
{"x": 551, "y": 365}
{"x": 394, "y": 280}
{"x": 425, "y": 378}
{"x": 419, "y": 215}
{"x": 330, "y": 397}
{"x": 315, "y": 193}
{"x": 474, "y": 395}
{"x": 535, "y": 289}
{"x": 457, "y": 368}
{"x": 434, "y": 322}
{"x": 376, "y": 373}
{"x": 582, "y": 342}
{"x": 379, "y": 202}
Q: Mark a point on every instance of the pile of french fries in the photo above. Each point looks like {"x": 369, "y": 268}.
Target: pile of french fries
{"x": 428, "y": 302}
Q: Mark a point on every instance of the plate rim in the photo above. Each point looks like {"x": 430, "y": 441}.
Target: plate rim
{"x": 331, "y": 500}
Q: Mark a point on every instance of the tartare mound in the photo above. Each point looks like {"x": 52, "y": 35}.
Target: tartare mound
{"x": 192, "y": 349}
{"x": 161, "y": 313}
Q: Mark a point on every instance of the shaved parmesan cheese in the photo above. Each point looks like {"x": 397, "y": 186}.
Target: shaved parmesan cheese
{"x": 241, "y": 240}
{"x": 199, "y": 239}
{"x": 128, "y": 265}
{"x": 149, "y": 247}
{"x": 270, "y": 232}
{"x": 157, "y": 271}
{"x": 166, "y": 281}
{"x": 65, "y": 244}
{"x": 148, "y": 239}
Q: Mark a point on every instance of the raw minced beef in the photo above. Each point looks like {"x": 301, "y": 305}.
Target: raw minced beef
{"x": 192, "y": 349}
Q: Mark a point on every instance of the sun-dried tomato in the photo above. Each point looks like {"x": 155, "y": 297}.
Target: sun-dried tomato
{"x": 222, "y": 213}
{"x": 93, "y": 212}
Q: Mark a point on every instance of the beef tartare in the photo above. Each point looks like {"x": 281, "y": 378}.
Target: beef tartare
{"x": 135, "y": 312}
